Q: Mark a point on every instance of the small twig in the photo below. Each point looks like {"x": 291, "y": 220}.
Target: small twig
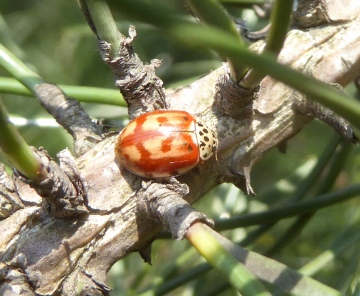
{"x": 66, "y": 111}
{"x": 165, "y": 203}
{"x": 69, "y": 113}
{"x": 138, "y": 83}
{"x": 100, "y": 20}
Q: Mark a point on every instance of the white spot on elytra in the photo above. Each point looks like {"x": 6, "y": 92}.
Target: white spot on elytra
{"x": 129, "y": 130}
{"x": 133, "y": 153}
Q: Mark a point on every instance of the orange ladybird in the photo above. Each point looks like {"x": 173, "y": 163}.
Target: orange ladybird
{"x": 164, "y": 143}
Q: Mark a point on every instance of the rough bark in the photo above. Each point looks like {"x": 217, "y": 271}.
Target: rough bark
{"x": 44, "y": 254}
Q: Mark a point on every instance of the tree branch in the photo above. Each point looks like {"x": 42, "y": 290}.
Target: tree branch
{"x": 62, "y": 254}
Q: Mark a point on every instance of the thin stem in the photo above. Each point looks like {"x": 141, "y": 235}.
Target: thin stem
{"x": 81, "y": 93}
{"x": 326, "y": 184}
{"x": 16, "y": 149}
{"x": 288, "y": 211}
{"x": 212, "y": 13}
{"x": 314, "y": 175}
{"x": 18, "y": 69}
{"x": 346, "y": 239}
{"x": 222, "y": 260}
{"x": 280, "y": 22}
{"x": 99, "y": 15}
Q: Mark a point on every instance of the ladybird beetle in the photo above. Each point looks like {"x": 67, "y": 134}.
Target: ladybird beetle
{"x": 164, "y": 143}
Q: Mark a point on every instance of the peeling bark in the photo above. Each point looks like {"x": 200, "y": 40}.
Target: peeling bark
{"x": 138, "y": 83}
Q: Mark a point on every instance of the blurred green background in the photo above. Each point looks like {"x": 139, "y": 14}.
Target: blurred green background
{"x": 53, "y": 38}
